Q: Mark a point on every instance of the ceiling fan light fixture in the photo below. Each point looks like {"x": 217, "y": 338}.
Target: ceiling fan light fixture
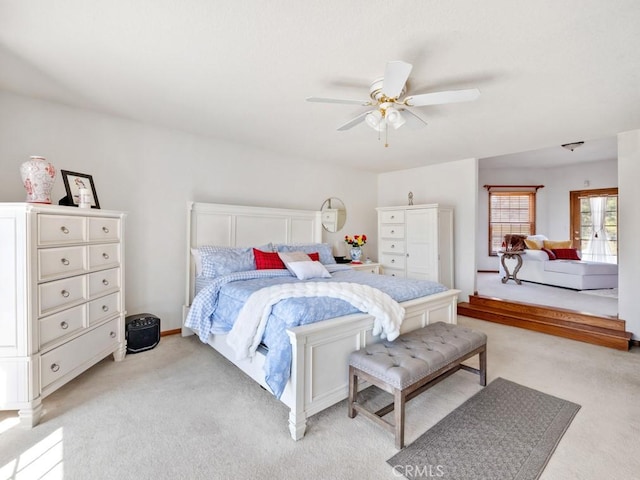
{"x": 374, "y": 119}
{"x": 394, "y": 117}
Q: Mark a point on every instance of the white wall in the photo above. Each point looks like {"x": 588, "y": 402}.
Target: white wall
{"x": 152, "y": 172}
{"x": 452, "y": 183}
{"x": 552, "y": 201}
{"x": 629, "y": 219}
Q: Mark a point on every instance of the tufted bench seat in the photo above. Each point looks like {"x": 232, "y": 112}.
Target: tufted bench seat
{"x": 411, "y": 364}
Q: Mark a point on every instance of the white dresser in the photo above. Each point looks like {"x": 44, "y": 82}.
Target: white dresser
{"x": 417, "y": 242}
{"x": 61, "y": 299}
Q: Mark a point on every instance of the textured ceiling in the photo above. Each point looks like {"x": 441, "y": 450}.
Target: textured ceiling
{"x": 549, "y": 72}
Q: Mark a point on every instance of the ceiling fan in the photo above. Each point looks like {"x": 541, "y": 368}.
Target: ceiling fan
{"x": 390, "y": 105}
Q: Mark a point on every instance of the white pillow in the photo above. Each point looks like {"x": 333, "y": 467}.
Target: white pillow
{"x": 302, "y": 266}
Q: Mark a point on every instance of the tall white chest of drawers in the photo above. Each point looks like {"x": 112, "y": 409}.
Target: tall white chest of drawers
{"x": 417, "y": 242}
{"x": 61, "y": 299}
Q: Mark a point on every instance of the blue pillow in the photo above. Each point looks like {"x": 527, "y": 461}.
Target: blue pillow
{"x": 217, "y": 261}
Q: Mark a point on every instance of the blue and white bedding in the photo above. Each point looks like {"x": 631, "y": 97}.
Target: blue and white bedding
{"x": 217, "y": 304}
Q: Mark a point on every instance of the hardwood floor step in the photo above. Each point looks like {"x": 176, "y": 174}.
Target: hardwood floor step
{"x": 540, "y": 318}
{"x": 602, "y": 321}
{"x": 575, "y": 330}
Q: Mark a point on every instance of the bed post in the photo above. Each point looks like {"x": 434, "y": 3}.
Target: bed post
{"x": 297, "y": 414}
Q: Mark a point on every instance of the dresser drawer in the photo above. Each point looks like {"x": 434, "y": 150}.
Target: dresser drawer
{"x": 61, "y": 293}
{"x": 392, "y": 261}
{"x": 104, "y": 229}
{"x": 93, "y": 345}
{"x": 392, "y": 246}
{"x": 103, "y": 282}
{"x": 61, "y": 324}
{"x": 61, "y": 262}
{"x": 104, "y": 256}
{"x": 104, "y": 307}
{"x": 392, "y": 231}
{"x": 392, "y": 216}
{"x": 60, "y": 229}
{"x": 393, "y": 272}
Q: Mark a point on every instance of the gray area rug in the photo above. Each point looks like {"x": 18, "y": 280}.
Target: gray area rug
{"x": 505, "y": 431}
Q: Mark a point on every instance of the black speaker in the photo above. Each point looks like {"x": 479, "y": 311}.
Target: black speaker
{"x": 142, "y": 332}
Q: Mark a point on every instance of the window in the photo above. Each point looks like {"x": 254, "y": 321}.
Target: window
{"x": 511, "y": 212}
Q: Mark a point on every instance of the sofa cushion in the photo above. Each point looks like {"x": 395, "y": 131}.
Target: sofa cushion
{"x": 577, "y": 267}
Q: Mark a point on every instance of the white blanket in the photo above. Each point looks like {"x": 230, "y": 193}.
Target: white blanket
{"x": 247, "y": 331}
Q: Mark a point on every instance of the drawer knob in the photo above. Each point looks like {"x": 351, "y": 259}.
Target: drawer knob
{"x": 393, "y": 245}
{"x": 105, "y": 229}
{"x": 105, "y": 256}
{"x": 64, "y": 325}
{"x": 65, "y": 293}
{"x": 392, "y": 232}
{"x": 55, "y": 367}
{"x": 64, "y": 261}
{"x": 105, "y": 308}
{"x": 105, "y": 282}
{"x": 64, "y": 229}
{"x": 392, "y": 217}
{"x": 112, "y": 334}
{"x": 393, "y": 274}
{"x": 393, "y": 260}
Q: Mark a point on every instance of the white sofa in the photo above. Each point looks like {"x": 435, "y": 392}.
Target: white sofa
{"x": 575, "y": 274}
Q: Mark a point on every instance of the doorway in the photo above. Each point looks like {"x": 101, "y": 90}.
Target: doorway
{"x": 594, "y": 224}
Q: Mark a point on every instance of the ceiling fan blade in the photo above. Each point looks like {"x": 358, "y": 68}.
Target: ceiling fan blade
{"x": 353, "y": 122}
{"x": 413, "y": 120}
{"x": 439, "y": 98}
{"x": 395, "y": 77}
{"x": 337, "y": 100}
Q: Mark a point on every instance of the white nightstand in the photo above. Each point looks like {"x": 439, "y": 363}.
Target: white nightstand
{"x": 367, "y": 267}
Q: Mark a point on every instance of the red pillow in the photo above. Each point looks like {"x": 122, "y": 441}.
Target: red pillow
{"x": 271, "y": 260}
{"x": 566, "y": 253}
{"x": 550, "y": 254}
{"x": 267, "y": 260}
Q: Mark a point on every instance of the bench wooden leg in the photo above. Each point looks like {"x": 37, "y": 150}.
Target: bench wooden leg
{"x": 353, "y": 391}
{"x": 398, "y": 407}
{"x": 483, "y": 367}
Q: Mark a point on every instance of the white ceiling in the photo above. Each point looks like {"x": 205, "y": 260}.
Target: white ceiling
{"x": 549, "y": 72}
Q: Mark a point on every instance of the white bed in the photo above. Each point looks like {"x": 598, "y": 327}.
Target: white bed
{"x": 319, "y": 370}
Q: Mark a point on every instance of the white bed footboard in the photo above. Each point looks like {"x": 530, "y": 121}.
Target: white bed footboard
{"x": 320, "y": 354}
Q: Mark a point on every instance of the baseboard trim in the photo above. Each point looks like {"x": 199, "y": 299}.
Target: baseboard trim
{"x": 170, "y": 332}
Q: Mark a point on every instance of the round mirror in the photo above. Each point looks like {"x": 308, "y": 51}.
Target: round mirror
{"x": 334, "y": 214}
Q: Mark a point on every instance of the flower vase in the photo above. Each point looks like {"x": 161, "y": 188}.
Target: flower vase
{"x": 356, "y": 253}
{"x": 38, "y": 176}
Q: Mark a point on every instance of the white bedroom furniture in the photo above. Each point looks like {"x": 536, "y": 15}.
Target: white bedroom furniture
{"x": 320, "y": 350}
{"x": 417, "y": 242}
{"x": 367, "y": 267}
{"x": 61, "y": 299}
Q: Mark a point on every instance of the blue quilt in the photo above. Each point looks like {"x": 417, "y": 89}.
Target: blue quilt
{"x": 216, "y": 306}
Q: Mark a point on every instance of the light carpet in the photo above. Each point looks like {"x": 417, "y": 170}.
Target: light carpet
{"x": 605, "y": 292}
{"x": 181, "y": 411}
{"x": 506, "y": 431}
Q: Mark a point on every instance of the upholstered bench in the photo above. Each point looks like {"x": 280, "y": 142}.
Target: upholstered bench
{"x": 411, "y": 364}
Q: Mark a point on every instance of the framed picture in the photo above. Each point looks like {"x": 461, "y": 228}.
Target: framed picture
{"x": 73, "y": 182}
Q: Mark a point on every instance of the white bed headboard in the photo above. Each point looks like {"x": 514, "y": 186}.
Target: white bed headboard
{"x": 243, "y": 226}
